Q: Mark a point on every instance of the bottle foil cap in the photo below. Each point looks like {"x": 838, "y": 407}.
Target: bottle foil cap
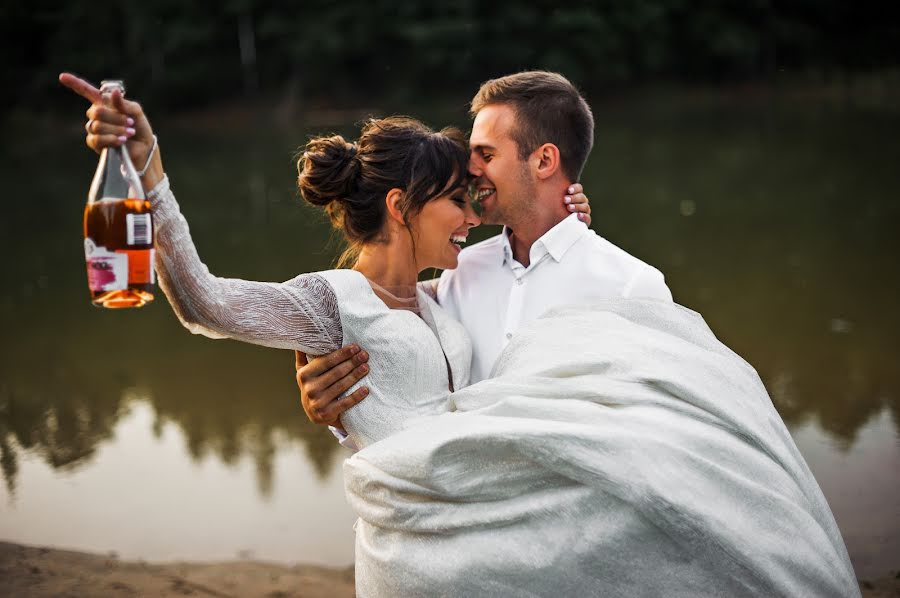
{"x": 107, "y": 85}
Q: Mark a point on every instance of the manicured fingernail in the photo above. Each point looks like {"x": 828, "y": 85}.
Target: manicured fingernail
{"x": 581, "y": 216}
{"x": 567, "y": 199}
{"x": 122, "y": 139}
{"x": 129, "y": 131}
{"x": 571, "y": 208}
{"x": 129, "y": 121}
{"x": 571, "y": 189}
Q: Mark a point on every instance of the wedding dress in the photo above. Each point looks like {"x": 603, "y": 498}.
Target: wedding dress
{"x": 618, "y": 449}
{"x": 412, "y": 359}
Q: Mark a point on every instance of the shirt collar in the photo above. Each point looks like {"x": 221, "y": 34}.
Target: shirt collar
{"x": 555, "y": 241}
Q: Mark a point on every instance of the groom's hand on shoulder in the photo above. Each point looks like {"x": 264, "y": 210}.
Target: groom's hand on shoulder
{"x": 324, "y": 379}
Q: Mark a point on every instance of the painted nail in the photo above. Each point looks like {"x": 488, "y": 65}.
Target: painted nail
{"x": 581, "y": 217}
{"x": 571, "y": 208}
{"x": 567, "y": 199}
{"x": 129, "y": 121}
{"x": 571, "y": 189}
{"x": 122, "y": 139}
{"x": 129, "y": 131}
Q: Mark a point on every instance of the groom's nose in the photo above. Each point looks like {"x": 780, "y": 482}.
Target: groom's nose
{"x": 475, "y": 166}
{"x": 472, "y": 218}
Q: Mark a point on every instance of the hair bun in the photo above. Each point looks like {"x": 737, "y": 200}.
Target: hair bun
{"x": 328, "y": 169}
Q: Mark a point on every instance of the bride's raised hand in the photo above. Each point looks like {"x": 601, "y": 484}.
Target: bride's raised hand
{"x": 113, "y": 121}
{"x": 577, "y": 203}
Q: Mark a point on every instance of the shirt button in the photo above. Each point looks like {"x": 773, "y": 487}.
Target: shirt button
{"x": 509, "y": 335}
{"x": 519, "y": 281}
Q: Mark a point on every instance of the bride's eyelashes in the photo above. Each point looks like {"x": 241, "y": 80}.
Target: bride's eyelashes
{"x": 459, "y": 199}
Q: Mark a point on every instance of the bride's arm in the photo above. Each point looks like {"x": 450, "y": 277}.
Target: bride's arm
{"x": 298, "y": 314}
{"x": 301, "y": 313}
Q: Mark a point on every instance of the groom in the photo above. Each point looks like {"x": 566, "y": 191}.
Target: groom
{"x": 531, "y": 136}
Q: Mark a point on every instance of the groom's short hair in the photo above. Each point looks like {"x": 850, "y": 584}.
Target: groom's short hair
{"x": 549, "y": 109}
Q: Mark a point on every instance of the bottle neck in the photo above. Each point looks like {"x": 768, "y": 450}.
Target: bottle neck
{"x": 115, "y": 178}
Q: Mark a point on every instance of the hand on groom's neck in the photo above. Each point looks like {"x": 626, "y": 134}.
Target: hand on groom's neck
{"x": 547, "y": 211}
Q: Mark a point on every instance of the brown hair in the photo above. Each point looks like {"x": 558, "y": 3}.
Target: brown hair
{"x": 549, "y": 109}
{"x": 351, "y": 180}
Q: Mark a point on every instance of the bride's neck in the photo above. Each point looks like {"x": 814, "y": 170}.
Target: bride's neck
{"x": 391, "y": 267}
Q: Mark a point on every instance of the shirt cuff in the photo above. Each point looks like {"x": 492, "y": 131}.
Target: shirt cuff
{"x": 343, "y": 439}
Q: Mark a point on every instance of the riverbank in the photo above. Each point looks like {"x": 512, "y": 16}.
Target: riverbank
{"x": 37, "y": 572}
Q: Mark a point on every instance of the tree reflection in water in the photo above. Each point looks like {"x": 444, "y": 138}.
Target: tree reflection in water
{"x": 65, "y": 415}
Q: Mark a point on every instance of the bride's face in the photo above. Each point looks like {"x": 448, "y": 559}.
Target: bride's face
{"x": 441, "y": 228}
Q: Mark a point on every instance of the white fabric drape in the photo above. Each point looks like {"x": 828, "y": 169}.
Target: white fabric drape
{"x": 620, "y": 450}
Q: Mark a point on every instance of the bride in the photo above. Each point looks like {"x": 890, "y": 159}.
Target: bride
{"x": 618, "y": 450}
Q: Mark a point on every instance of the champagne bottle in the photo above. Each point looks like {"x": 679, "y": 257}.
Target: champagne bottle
{"x": 118, "y": 230}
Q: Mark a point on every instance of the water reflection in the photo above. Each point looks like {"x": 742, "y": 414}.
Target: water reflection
{"x": 774, "y": 222}
{"x": 141, "y": 498}
{"x": 229, "y": 401}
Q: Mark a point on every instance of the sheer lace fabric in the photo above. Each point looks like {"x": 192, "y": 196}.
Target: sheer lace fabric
{"x": 318, "y": 313}
{"x": 301, "y": 313}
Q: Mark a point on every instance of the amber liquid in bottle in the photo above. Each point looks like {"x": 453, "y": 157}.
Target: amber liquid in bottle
{"x": 118, "y": 230}
{"x": 109, "y": 225}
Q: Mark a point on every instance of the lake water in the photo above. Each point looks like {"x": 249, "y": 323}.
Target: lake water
{"x": 120, "y": 431}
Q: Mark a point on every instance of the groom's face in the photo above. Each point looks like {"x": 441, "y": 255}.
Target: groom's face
{"x": 502, "y": 181}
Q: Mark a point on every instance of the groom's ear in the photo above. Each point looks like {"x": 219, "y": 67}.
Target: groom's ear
{"x": 393, "y": 201}
{"x": 546, "y": 157}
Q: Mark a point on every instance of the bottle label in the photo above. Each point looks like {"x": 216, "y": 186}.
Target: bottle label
{"x": 107, "y": 270}
{"x": 140, "y": 265}
{"x": 138, "y": 229}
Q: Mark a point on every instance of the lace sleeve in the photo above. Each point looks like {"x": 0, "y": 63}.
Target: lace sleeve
{"x": 301, "y": 313}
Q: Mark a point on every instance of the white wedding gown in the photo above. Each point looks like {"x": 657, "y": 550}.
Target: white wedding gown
{"x": 411, "y": 359}
{"x": 619, "y": 449}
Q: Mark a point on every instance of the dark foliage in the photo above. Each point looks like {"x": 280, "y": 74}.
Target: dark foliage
{"x": 191, "y": 53}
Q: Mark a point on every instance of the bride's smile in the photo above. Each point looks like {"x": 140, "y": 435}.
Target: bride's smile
{"x": 441, "y": 228}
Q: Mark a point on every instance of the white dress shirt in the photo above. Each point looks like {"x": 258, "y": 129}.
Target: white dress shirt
{"x": 492, "y": 294}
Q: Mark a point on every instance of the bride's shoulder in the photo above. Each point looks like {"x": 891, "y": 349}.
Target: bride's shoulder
{"x": 335, "y": 280}
{"x": 328, "y": 275}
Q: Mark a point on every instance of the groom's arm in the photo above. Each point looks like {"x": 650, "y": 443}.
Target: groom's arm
{"x": 323, "y": 380}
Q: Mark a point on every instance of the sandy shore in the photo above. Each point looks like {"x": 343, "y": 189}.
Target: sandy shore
{"x": 35, "y": 572}
{"x": 27, "y": 572}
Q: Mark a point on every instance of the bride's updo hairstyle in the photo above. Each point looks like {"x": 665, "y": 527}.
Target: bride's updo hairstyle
{"x": 351, "y": 180}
